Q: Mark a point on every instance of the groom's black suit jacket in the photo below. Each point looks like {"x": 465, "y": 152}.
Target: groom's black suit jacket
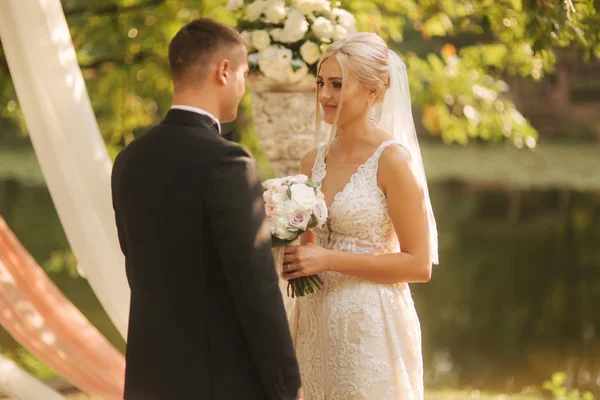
{"x": 207, "y": 320}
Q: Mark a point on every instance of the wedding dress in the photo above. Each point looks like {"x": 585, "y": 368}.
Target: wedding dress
{"x": 356, "y": 339}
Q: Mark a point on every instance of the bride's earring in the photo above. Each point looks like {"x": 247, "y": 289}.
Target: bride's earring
{"x": 371, "y": 115}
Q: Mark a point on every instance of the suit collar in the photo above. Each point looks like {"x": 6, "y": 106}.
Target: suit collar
{"x": 176, "y": 116}
{"x": 197, "y": 111}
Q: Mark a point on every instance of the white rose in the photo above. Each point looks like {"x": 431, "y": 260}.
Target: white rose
{"x": 339, "y": 32}
{"x": 321, "y": 5}
{"x": 322, "y": 28}
{"x": 307, "y": 7}
{"x": 275, "y": 12}
{"x": 303, "y": 197}
{"x": 296, "y": 75}
{"x": 304, "y": 6}
{"x": 247, "y": 35}
{"x": 281, "y": 225}
{"x": 280, "y": 196}
{"x": 276, "y": 34}
{"x": 261, "y": 40}
{"x": 255, "y": 10}
{"x": 280, "y": 229}
{"x": 345, "y": 19}
{"x": 300, "y": 178}
{"x": 267, "y": 194}
{"x": 310, "y": 52}
{"x": 295, "y": 27}
{"x": 233, "y": 5}
{"x": 300, "y": 220}
{"x": 275, "y": 62}
{"x": 253, "y": 58}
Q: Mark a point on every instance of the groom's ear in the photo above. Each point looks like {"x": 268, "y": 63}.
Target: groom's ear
{"x": 229, "y": 61}
{"x": 223, "y": 71}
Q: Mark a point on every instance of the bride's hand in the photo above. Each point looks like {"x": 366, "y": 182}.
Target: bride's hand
{"x": 305, "y": 260}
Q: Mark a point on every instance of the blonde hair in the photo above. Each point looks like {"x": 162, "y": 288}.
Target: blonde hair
{"x": 366, "y": 57}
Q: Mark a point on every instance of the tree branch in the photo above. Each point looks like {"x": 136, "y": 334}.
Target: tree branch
{"x": 111, "y": 9}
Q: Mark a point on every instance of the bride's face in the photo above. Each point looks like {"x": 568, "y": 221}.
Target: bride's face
{"x": 329, "y": 90}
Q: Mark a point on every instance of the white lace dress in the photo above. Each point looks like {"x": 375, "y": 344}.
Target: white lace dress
{"x": 356, "y": 339}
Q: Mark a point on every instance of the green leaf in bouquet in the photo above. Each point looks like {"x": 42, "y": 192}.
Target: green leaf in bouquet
{"x": 289, "y": 193}
{"x": 313, "y": 221}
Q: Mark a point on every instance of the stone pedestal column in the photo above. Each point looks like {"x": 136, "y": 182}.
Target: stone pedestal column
{"x": 284, "y": 117}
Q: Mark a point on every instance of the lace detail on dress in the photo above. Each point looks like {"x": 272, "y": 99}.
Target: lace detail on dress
{"x": 359, "y": 216}
{"x": 356, "y": 339}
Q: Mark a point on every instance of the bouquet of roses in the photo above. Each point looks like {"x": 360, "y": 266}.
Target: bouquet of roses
{"x": 294, "y": 205}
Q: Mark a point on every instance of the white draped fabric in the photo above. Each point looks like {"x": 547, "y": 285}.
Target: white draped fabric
{"x": 67, "y": 142}
{"x": 15, "y": 382}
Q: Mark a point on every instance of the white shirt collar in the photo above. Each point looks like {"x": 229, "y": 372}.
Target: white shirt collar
{"x": 197, "y": 111}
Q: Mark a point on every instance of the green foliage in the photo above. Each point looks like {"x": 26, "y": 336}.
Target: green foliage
{"x": 460, "y": 101}
{"x": 450, "y": 46}
{"x": 29, "y": 362}
{"x": 62, "y": 260}
{"x": 122, "y": 49}
{"x": 542, "y": 24}
{"x": 484, "y": 40}
{"x": 559, "y": 390}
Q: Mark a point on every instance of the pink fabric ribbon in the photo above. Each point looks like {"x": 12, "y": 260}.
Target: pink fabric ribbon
{"x": 35, "y": 312}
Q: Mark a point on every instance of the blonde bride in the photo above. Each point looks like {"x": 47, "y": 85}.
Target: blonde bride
{"x": 359, "y": 337}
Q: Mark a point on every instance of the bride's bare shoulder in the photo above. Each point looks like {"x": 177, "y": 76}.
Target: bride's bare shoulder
{"x": 307, "y": 162}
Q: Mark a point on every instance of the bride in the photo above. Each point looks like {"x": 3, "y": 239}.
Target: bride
{"x": 359, "y": 337}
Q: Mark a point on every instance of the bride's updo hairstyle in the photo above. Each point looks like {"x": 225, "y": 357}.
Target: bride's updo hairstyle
{"x": 365, "y": 56}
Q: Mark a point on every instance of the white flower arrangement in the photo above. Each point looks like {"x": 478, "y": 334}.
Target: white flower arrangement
{"x": 286, "y": 38}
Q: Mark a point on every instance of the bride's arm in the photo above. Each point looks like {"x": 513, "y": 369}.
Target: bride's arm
{"x": 407, "y": 209}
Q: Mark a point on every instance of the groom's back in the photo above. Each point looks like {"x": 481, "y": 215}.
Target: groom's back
{"x": 184, "y": 335}
{"x": 206, "y": 315}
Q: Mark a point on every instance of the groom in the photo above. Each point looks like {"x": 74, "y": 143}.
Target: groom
{"x": 207, "y": 319}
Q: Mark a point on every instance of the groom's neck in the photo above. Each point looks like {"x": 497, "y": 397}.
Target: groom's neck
{"x": 206, "y": 100}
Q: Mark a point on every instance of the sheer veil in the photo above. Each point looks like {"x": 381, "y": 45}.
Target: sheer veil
{"x": 397, "y": 119}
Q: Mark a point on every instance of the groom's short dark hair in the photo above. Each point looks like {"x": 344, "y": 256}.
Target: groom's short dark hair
{"x": 197, "y": 42}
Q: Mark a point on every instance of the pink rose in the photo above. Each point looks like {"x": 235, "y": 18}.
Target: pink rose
{"x": 271, "y": 210}
{"x": 270, "y": 184}
{"x": 300, "y": 220}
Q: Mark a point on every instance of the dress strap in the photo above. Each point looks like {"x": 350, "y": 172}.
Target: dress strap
{"x": 382, "y": 147}
{"x": 372, "y": 164}
{"x": 318, "y": 170}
